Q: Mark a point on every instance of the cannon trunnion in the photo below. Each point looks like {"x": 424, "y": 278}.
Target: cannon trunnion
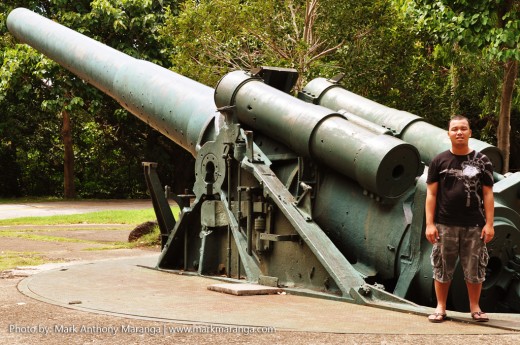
{"x": 321, "y": 194}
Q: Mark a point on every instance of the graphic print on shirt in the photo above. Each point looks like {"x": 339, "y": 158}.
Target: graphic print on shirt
{"x": 469, "y": 175}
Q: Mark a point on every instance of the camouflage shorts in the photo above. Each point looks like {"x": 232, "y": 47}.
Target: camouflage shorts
{"x": 459, "y": 242}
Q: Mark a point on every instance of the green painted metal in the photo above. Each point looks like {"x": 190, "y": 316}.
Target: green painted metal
{"x": 154, "y": 94}
{"x": 380, "y": 163}
{"x": 322, "y": 199}
{"x": 162, "y": 209}
{"x": 429, "y": 140}
{"x": 402, "y": 245}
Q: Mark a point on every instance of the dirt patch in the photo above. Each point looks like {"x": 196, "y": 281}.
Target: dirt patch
{"x": 71, "y": 242}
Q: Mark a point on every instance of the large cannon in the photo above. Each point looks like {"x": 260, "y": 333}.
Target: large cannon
{"x": 321, "y": 194}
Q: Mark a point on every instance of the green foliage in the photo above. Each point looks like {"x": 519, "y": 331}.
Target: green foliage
{"x": 479, "y": 29}
{"x": 207, "y": 39}
{"x": 108, "y": 145}
{"x": 379, "y": 55}
{"x": 478, "y": 24}
{"x": 21, "y": 91}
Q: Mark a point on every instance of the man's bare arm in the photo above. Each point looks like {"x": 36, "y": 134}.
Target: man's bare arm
{"x": 488, "y": 231}
{"x": 432, "y": 234}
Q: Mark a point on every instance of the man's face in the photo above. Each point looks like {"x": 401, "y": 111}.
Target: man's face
{"x": 459, "y": 132}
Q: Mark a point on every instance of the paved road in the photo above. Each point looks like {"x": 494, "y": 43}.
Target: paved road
{"x": 39, "y": 209}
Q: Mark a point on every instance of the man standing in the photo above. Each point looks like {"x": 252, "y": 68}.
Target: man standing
{"x": 459, "y": 217}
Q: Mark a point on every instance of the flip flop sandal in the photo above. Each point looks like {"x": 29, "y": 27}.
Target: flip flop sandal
{"x": 436, "y": 319}
{"x": 477, "y": 316}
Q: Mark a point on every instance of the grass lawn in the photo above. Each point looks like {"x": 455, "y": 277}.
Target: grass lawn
{"x": 102, "y": 217}
{"x": 12, "y": 259}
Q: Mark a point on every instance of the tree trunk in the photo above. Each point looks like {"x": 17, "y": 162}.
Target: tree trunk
{"x": 69, "y": 191}
{"x": 454, "y": 89}
{"x": 508, "y": 87}
{"x": 504, "y": 120}
{"x": 454, "y": 81}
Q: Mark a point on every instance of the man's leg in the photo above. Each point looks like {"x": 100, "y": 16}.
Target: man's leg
{"x": 441, "y": 292}
{"x": 474, "y": 296}
{"x": 474, "y": 291}
{"x": 474, "y": 258}
{"x": 444, "y": 258}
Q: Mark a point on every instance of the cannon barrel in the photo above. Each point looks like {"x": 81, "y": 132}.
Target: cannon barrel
{"x": 429, "y": 139}
{"x": 176, "y": 106}
{"x": 182, "y": 109}
{"x": 380, "y": 163}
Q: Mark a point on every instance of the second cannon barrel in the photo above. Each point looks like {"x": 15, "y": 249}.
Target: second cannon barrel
{"x": 380, "y": 163}
{"x": 429, "y": 139}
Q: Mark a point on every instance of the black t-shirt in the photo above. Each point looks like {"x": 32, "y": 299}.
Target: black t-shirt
{"x": 459, "y": 193}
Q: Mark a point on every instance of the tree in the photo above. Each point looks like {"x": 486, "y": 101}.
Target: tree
{"x": 209, "y": 38}
{"x": 492, "y": 27}
{"x": 37, "y": 95}
{"x": 366, "y": 40}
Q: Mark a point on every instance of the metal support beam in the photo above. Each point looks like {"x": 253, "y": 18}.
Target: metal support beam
{"x": 162, "y": 209}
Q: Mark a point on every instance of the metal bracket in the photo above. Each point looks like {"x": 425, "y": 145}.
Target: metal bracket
{"x": 229, "y": 113}
{"x": 303, "y": 203}
{"x": 278, "y": 238}
{"x": 250, "y": 150}
{"x": 337, "y": 78}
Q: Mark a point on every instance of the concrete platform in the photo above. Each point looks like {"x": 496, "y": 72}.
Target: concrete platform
{"x": 246, "y": 289}
{"x": 126, "y": 287}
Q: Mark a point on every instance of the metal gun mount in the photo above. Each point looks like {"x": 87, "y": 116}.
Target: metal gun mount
{"x": 321, "y": 194}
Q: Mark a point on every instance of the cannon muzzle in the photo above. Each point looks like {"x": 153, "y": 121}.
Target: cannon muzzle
{"x": 380, "y": 163}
